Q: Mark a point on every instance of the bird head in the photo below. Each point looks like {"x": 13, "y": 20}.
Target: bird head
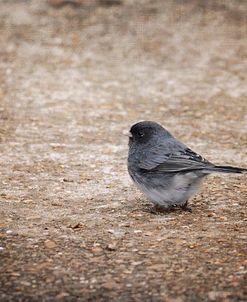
{"x": 145, "y": 132}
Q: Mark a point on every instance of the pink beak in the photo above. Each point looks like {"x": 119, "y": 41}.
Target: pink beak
{"x": 127, "y": 133}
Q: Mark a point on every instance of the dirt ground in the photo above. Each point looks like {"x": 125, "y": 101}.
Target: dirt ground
{"x": 73, "y": 226}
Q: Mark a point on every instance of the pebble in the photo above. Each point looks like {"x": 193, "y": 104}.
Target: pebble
{"x": 49, "y": 244}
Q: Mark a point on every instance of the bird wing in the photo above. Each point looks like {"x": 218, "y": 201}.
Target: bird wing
{"x": 183, "y": 159}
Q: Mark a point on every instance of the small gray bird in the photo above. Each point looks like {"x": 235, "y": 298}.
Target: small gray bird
{"x": 166, "y": 170}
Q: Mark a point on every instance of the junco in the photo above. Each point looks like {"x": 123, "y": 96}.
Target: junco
{"x": 165, "y": 169}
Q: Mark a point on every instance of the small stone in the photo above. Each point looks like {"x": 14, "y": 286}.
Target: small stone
{"x": 56, "y": 204}
{"x": 137, "y": 231}
{"x": 77, "y": 225}
{"x": 212, "y": 295}
{"x": 15, "y": 274}
{"x": 25, "y": 283}
{"x": 27, "y": 201}
{"x": 211, "y": 214}
{"x": 109, "y": 284}
{"x": 50, "y": 244}
{"x": 192, "y": 246}
{"x": 149, "y": 234}
{"x": 112, "y": 246}
{"x": 67, "y": 180}
{"x": 96, "y": 249}
{"x": 62, "y": 295}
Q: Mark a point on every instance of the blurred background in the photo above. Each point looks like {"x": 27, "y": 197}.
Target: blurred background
{"x": 90, "y": 61}
{"x": 73, "y": 76}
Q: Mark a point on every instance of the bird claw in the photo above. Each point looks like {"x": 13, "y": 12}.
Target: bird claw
{"x": 157, "y": 210}
{"x": 186, "y": 208}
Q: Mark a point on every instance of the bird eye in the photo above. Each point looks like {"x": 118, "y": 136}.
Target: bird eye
{"x": 140, "y": 134}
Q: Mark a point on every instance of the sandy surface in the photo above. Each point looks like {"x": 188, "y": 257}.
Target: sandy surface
{"x": 73, "y": 227}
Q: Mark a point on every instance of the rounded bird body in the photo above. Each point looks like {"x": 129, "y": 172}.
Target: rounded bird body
{"x": 163, "y": 168}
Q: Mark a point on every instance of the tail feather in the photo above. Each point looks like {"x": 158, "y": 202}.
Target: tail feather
{"x": 228, "y": 169}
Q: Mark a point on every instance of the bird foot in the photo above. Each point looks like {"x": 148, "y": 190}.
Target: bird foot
{"x": 157, "y": 210}
{"x": 185, "y": 207}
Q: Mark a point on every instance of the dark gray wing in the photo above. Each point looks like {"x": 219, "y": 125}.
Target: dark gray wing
{"x": 173, "y": 158}
{"x": 183, "y": 161}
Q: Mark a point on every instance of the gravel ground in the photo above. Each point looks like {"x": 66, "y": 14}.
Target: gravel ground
{"x": 73, "y": 227}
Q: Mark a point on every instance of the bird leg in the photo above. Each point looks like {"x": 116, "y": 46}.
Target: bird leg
{"x": 159, "y": 210}
{"x": 185, "y": 207}
{"x": 162, "y": 210}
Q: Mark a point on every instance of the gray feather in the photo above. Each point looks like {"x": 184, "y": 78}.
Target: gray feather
{"x": 166, "y": 170}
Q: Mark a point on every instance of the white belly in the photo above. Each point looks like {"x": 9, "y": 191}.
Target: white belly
{"x": 182, "y": 188}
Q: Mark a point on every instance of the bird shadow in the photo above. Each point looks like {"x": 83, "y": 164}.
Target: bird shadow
{"x": 156, "y": 210}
